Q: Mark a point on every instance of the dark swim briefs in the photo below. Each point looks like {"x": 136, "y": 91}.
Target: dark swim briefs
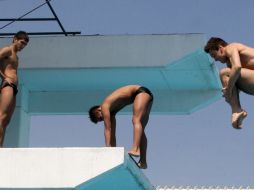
{"x": 14, "y": 86}
{"x": 146, "y": 90}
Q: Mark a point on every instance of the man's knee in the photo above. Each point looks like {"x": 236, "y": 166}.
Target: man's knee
{"x": 224, "y": 75}
{"x": 225, "y": 72}
{"x": 135, "y": 120}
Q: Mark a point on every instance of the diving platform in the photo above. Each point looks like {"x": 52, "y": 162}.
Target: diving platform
{"x": 68, "y": 75}
{"x": 70, "y": 169}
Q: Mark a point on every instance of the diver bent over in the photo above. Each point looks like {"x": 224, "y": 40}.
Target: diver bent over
{"x": 142, "y": 100}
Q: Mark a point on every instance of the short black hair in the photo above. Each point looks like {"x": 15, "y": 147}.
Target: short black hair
{"x": 22, "y": 35}
{"x": 213, "y": 44}
{"x": 92, "y": 115}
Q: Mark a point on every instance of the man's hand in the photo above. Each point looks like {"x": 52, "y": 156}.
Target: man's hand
{"x": 226, "y": 93}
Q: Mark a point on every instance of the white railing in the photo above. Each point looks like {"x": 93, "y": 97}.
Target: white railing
{"x": 203, "y": 188}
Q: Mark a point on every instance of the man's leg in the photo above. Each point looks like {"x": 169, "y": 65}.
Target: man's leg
{"x": 143, "y": 144}
{"x": 234, "y": 102}
{"x": 7, "y": 102}
{"x": 11, "y": 111}
{"x": 141, "y": 105}
{"x": 143, "y": 148}
{"x": 244, "y": 83}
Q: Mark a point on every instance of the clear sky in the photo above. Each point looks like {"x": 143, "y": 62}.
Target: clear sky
{"x": 197, "y": 149}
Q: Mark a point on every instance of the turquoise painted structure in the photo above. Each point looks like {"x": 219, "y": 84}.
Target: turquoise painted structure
{"x": 67, "y": 75}
{"x": 126, "y": 176}
{"x": 193, "y": 77}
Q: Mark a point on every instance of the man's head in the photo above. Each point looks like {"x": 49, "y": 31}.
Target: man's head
{"x": 20, "y": 40}
{"x": 215, "y": 47}
{"x": 95, "y": 114}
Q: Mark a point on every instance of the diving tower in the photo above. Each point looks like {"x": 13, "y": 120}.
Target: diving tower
{"x": 67, "y": 75}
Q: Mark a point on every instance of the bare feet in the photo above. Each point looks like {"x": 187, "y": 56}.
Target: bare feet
{"x": 237, "y": 119}
{"x": 142, "y": 165}
{"x": 134, "y": 153}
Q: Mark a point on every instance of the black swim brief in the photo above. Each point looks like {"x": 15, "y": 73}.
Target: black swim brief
{"x": 7, "y": 83}
{"x": 146, "y": 90}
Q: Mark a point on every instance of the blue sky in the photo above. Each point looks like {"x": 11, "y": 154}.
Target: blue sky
{"x": 197, "y": 149}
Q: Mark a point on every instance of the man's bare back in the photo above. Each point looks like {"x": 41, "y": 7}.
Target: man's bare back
{"x": 246, "y": 54}
{"x": 120, "y": 98}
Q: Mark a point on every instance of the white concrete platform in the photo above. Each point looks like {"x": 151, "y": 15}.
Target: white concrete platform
{"x": 70, "y": 168}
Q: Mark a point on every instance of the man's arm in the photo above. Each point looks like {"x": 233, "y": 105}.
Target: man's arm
{"x": 5, "y": 52}
{"x": 113, "y": 131}
{"x": 107, "y": 125}
{"x": 234, "y": 58}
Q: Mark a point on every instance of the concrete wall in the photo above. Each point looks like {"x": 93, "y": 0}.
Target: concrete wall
{"x": 106, "y": 51}
{"x": 55, "y": 167}
{"x": 70, "y": 168}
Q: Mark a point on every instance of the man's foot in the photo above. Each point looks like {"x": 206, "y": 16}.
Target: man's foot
{"x": 237, "y": 119}
{"x": 142, "y": 165}
{"x": 133, "y": 153}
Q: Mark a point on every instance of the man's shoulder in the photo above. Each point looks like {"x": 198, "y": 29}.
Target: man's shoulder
{"x": 5, "y": 49}
{"x": 105, "y": 104}
{"x": 235, "y": 46}
{"x": 5, "y": 52}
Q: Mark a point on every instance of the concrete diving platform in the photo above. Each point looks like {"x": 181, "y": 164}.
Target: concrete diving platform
{"x": 70, "y": 168}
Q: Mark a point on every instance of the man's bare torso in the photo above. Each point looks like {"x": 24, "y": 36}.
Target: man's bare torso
{"x": 8, "y": 68}
{"x": 120, "y": 98}
{"x": 246, "y": 54}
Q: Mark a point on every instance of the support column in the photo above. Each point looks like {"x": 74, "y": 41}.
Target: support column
{"x": 17, "y": 133}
